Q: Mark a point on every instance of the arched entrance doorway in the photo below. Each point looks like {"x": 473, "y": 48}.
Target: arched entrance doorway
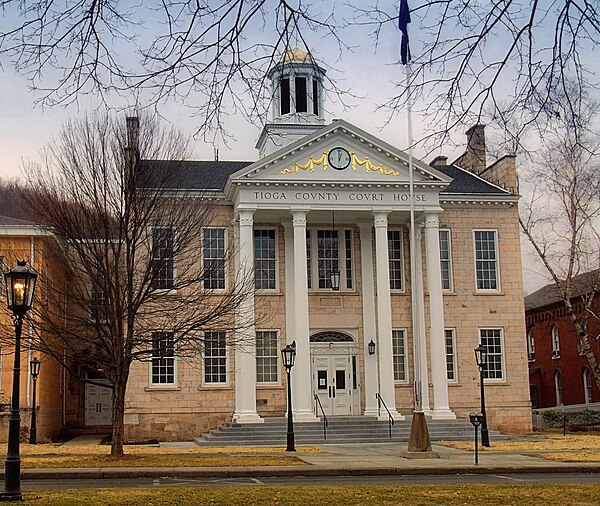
{"x": 335, "y": 372}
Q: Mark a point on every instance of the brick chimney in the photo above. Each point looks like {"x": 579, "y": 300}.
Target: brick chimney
{"x": 474, "y": 158}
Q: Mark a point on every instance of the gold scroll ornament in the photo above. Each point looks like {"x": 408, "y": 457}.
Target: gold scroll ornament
{"x": 355, "y": 161}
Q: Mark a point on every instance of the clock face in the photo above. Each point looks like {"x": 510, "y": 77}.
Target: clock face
{"x": 338, "y": 158}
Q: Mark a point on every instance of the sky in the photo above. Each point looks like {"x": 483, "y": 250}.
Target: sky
{"x": 368, "y": 72}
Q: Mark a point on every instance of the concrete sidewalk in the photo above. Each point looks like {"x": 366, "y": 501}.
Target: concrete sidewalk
{"x": 344, "y": 460}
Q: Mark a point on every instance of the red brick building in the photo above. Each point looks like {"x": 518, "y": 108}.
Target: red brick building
{"x": 559, "y": 373}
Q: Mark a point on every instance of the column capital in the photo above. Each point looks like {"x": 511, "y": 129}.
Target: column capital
{"x": 246, "y": 217}
{"x": 432, "y": 220}
{"x": 299, "y": 217}
{"x": 380, "y": 218}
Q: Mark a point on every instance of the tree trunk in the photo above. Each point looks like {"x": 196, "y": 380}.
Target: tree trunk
{"x": 118, "y": 414}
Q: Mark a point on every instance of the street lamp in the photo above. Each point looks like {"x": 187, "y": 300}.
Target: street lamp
{"x": 481, "y": 357}
{"x": 34, "y": 367}
{"x": 288, "y": 354}
{"x": 20, "y": 285}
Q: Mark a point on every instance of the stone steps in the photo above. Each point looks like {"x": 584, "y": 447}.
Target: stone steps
{"x": 341, "y": 430}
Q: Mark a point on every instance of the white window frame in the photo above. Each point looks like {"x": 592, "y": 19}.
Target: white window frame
{"x": 173, "y": 269}
{"x": 401, "y": 359}
{"x": 342, "y": 267}
{"x": 219, "y": 357}
{"x": 274, "y": 357}
{"x": 401, "y": 260}
{"x": 275, "y": 260}
{"x": 587, "y": 385}
{"x": 559, "y": 388}
{"x": 555, "y": 341}
{"x": 450, "y": 335}
{"x": 530, "y": 346}
{"x": 496, "y": 261}
{"x": 224, "y": 259}
{"x": 502, "y": 361}
{"x": 152, "y": 363}
{"x": 447, "y": 261}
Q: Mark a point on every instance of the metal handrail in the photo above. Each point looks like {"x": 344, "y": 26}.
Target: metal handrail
{"x": 380, "y": 401}
{"x": 325, "y": 422}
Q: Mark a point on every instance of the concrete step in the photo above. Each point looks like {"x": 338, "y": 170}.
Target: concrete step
{"x": 358, "y": 429}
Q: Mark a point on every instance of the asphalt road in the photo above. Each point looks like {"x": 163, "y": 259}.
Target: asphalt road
{"x": 27, "y": 485}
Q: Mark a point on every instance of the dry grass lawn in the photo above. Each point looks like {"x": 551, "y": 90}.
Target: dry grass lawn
{"x": 74, "y": 456}
{"x": 584, "y": 447}
{"x": 351, "y": 495}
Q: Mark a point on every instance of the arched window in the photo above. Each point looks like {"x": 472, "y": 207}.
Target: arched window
{"x": 587, "y": 385}
{"x": 555, "y": 342}
{"x": 558, "y": 386}
{"x": 331, "y": 336}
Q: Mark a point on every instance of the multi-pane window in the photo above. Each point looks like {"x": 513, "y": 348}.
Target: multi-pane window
{"x": 486, "y": 260}
{"x": 530, "y": 346}
{"x": 162, "y": 257}
{"x": 98, "y": 303}
{"x": 450, "y": 355}
{"x": 163, "y": 358}
{"x": 333, "y": 253}
{"x": 555, "y": 341}
{"x": 446, "y": 259}
{"x": 395, "y": 259}
{"x": 492, "y": 340}
{"x": 267, "y": 357}
{"x": 213, "y": 255}
{"x": 558, "y": 387}
{"x": 587, "y": 385}
{"x": 264, "y": 260}
{"x": 399, "y": 354}
{"x": 215, "y": 357}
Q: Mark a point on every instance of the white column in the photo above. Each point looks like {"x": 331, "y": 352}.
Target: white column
{"x": 419, "y": 332}
{"x": 245, "y": 350}
{"x": 437, "y": 344}
{"x": 302, "y": 401}
{"x": 290, "y": 306}
{"x": 384, "y": 317}
{"x": 369, "y": 322}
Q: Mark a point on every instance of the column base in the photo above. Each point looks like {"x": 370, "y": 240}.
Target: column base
{"x": 371, "y": 412}
{"x": 442, "y": 414}
{"x": 395, "y": 415}
{"x": 305, "y": 416}
{"x": 247, "y": 418}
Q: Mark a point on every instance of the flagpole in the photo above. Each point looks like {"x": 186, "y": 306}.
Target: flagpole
{"x": 413, "y": 250}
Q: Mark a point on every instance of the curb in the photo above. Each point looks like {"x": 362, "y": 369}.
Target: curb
{"x": 295, "y": 471}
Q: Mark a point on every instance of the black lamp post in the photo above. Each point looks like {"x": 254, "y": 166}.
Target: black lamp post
{"x": 481, "y": 357}
{"x": 20, "y": 285}
{"x": 34, "y": 367}
{"x": 371, "y": 347}
{"x": 288, "y": 354}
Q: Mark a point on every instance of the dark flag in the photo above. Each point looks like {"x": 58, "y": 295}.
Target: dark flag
{"x": 403, "y": 20}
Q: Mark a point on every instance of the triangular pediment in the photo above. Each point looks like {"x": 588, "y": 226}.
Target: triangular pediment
{"x": 371, "y": 162}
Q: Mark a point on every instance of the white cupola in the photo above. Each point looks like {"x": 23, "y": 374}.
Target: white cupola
{"x": 298, "y": 101}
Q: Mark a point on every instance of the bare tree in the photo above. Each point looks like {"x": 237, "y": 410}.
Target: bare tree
{"x": 562, "y": 218}
{"x": 472, "y": 61}
{"x": 131, "y": 242}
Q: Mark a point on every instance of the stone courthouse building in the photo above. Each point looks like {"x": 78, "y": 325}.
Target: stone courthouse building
{"x": 327, "y": 198}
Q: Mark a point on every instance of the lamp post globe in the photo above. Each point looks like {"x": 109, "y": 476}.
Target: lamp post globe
{"x": 288, "y": 355}
{"x": 481, "y": 357}
{"x": 19, "y": 283}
